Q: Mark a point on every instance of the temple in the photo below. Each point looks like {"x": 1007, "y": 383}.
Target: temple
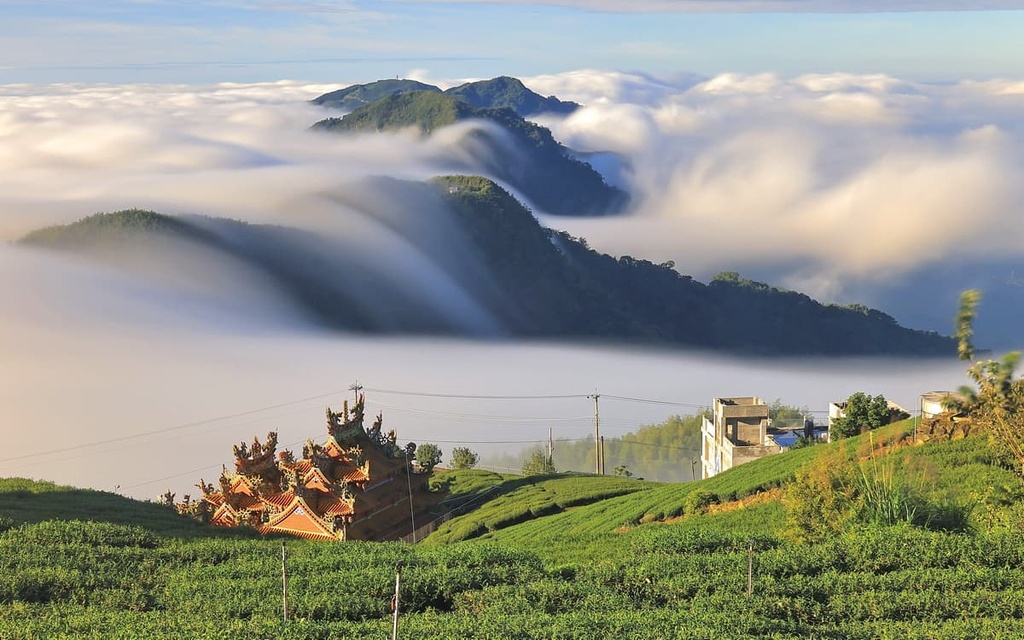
{"x": 356, "y": 486}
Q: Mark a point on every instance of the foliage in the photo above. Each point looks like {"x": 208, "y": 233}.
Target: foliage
{"x": 537, "y": 282}
{"x": 538, "y": 464}
{"x": 101, "y": 228}
{"x": 428, "y": 456}
{"x": 553, "y": 560}
{"x": 359, "y": 95}
{"x": 497, "y": 92}
{"x": 863, "y": 413}
{"x": 782, "y": 414}
{"x": 836, "y": 492}
{"x": 505, "y": 91}
{"x": 464, "y": 458}
{"x": 998, "y": 400}
{"x": 729, "y": 313}
{"x": 662, "y": 451}
{"x": 697, "y": 502}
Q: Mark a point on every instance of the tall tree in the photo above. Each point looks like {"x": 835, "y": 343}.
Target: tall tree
{"x": 428, "y": 456}
{"x": 538, "y": 464}
{"x": 464, "y": 458}
{"x": 862, "y": 413}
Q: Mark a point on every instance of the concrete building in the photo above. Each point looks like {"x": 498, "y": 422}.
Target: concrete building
{"x": 931, "y": 403}
{"x": 737, "y": 433}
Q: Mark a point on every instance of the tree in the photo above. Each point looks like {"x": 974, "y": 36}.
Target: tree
{"x": 464, "y": 458}
{"x": 862, "y": 412}
{"x": 538, "y": 463}
{"x": 623, "y": 471}
{"x": 428, "y": 456}
{"x": 998, "y": 399}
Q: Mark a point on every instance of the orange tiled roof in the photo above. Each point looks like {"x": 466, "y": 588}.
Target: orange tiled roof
{"x": 314, "y": 475}
{"x": 280, "y": 500}
{"x": 331, "y": 506}
{"x": 249, "y": 502}
{"x": 355, "y": 475}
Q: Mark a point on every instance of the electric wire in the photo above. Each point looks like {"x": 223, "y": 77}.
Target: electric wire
{"x": 177, "y": 427}
{"x": 462, "y": 396}
{"x": 448, "y": 415}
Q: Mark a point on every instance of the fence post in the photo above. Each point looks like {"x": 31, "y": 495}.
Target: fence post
{"x": 750, "y": 569}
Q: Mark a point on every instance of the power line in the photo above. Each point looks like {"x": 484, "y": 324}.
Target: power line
{"x": 154, "y": 432}
{"x": 462, "y": 396}
{"x": 451, "y": 416}
{"x": 650, "y": 401}
{"x": 185, "y": 473}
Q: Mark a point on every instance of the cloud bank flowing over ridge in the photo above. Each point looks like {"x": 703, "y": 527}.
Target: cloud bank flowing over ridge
{"x": 844, "y": 186}
{"x": 808, "y": 173}
{"x": 848, "y": 187}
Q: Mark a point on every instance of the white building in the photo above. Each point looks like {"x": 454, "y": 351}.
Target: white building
{"x": 931, "y": 403}
{"x": 737, "y": 433}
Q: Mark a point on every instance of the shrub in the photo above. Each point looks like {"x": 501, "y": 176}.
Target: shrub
{"x": 698, "y": 501}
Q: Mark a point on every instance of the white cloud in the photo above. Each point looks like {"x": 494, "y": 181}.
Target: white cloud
{"x": 824, "y": 180}
{"x": 857, "y": 177}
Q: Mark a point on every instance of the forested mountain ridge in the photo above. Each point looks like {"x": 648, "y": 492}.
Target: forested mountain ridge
{"x": 534, "y": 282}
{"x": 359, "y": 95}
{"x": 503, "y": 91}
{"x": 535, "y": 164}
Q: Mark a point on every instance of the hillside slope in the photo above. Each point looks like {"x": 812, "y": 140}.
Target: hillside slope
{"x": 360, "y": 95}
{"x": 496, "y": 93}
{"x": 493, "y": 270}
{"x": 579, "y": 572}
{"x": 520, "y": 153}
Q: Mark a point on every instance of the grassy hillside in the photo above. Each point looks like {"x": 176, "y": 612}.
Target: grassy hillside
{"x": 650, "y": 563}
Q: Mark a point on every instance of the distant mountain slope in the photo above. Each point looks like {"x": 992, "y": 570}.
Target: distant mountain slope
{"x": 490, "y": 257}
{"x": 505, "y": 91}
{"x": 499, "y": 92}
{"x": 534, "y": 163}
{"x": 359, "y": 95}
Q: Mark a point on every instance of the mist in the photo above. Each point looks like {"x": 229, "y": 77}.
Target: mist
{"x": 139, "y": 371}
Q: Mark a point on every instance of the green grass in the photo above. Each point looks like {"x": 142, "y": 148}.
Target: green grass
{"x": 525, "y": 499}
{"x": 29, "y": 501}
{"x": 77, "y": 563}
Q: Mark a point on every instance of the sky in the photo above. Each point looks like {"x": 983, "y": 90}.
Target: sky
{"x": 176, "y": 41}
{"x": 857, "y": 155}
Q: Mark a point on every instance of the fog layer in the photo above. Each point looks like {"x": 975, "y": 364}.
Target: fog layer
{"x": 851, "y": 188}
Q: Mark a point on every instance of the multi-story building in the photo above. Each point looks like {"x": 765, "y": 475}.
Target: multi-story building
{"x": 737, "y": 433}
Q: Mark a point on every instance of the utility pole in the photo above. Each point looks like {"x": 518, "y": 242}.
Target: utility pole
{"x": 597, "y": 434}
{"x": 394, "y": 603}
{"x": 356, "y": 388}
{"x": 284, "y": 585}
{"x": 408, "y": 480}
{"x": 551, "y": 447}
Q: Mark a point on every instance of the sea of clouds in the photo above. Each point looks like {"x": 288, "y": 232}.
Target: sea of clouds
{"x": 851, "y": 188}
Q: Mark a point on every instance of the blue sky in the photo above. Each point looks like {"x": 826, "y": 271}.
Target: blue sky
{"x": 43, "y": 41}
